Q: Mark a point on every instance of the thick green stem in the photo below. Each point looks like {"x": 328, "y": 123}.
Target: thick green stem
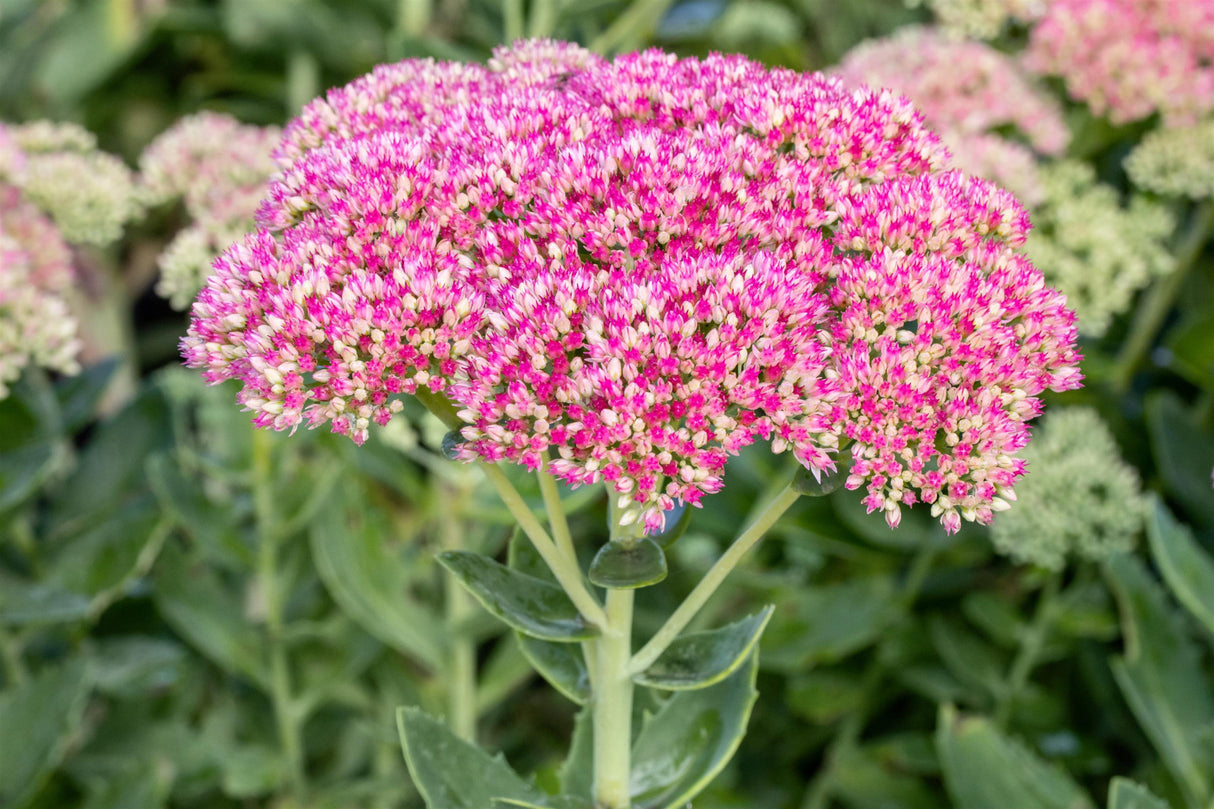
{"x": 613, "y": 705}
{"x": 566, "y": 570}
{"x": 461, "y": 672}
{"x": 512, "y": 19}
{"x": 1031, "y": 642}
{"x": 1158, "y": 301}
{"x": 269, "y": 536}
{"x": 543, "y": 18}
{"x": 567, "y": 573}
{"x": 708, "y": 585}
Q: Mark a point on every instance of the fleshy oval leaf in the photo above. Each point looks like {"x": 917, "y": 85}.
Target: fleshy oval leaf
{"x": 530, "y": 605}
{"x": 702, "y": 659}
{"x": 561, "y": 664}
{"x": 677, "y": 520}
{"x": 451, "y": 773}
{"x": 1127, "y": 794}
{"x": 618, "y": 566}
{"x": 1187, "y": 569}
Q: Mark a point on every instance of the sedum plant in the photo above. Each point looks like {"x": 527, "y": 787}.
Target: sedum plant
{"x": 619, "y": 274}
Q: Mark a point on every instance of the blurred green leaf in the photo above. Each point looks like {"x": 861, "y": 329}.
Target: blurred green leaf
{"x": 863, "y": 781}
{"x": 1182, "y": 453}
{"x": 825, "y": 695}
{"x": 37, "y": 719}
{"x": 1187, "y": 569}
{"x": 1161, "y": 677}
{"x": 701, "y": 659}
{"x": 451, "y": 773}
{"x": 1125, "y": 794}
{"x": 822, "y": 624}
{"x": 209, "y": 616}
{"x": 354, "y": 559}
{"x": 577, "y": 771}
{"x": 140, "y": 785}
{"x": 983, "y": 769}
{"x": 529, "y": 605}
{"x": 1192, "y": 348}
{"x": 683, "y": 746}
{"x": 968, "y": 657}
{"x": 134, "y": 665}
{"x": 561, "y": 664}
{"x": 79, "y": 394}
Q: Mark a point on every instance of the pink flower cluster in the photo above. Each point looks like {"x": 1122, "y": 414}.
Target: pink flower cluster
{"x": 1129, "y": 59}
{"x": 966, "y": 90}
{"x": 636, "y": 268}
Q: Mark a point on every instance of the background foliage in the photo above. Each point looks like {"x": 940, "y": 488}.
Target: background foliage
{"x": 194, "y": 615}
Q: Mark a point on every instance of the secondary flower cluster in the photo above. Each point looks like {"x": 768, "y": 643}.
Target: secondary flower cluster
{"x": 982, "y": 19}
{"x": 966, "y": 90}
{"x": 1078, "y": 498}
{"x": 55, "y": 188}
{"x": 1093, "y": 247}
{"x": 1175, "y": 160}
{"x": 631, "y": 269}
{"x": 1128, "y": 59}
{"x": 219, "y": 168}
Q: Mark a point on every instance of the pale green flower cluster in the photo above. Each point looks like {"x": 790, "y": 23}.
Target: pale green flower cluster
{"x": 981, "y": 19}
{"x": 1176, "y": 161}
{"x": 218, "y": 167}
{"x": 1097, "y": 250}
{"x": 89, "y": 194}
{"x": 1078, "y": 497}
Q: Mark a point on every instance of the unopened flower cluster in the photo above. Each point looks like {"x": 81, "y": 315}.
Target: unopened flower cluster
{"x": 1175, "y": 160}
{"x": 219, "y": 168}
{"x": 628, "y": 270}
{"x": 982, "y": 19}
{"x": 55, "y": 189}
{"x": 1095, "y": 248}
{"x": 1129, "y": 59}
{"x": 1079, "y": 498}
{"x": 967, "y": 90}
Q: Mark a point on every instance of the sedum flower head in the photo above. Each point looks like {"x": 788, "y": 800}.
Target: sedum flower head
{"x": 632, "y": 269}
{"x": 90, "y": 195}
{"x": 36, "y": 327}
{"x": 49, "y": 137}
{"x": 1078, "y": 498}
{"x": 219, "y": 167}
{"x": 981, "y": 19}
{"x": 1095, "y": 249}
{"x": 1128, "y": 59}
{"x": 1175, "y": 160}
{"x": 966, "y": 90}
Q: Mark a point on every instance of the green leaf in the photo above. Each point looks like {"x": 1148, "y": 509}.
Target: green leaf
{"x": 1192, "y": 346}
{"x": 561, "y": 664}
{"x": 824, "y": 695}
{"x": 1162, "y": 680}
{"x": 677, "y": 520}
{"x": 687, "y": 742}
{"x": 824, "y": 624}
{"x": 134, "y": 665}
{"x": 1182, "y": 453}
{"x": 208, "y": 616}
{"x": 1187, "y": 569}
{"x": 38, "y": 719}
{"x": 530, "y": 605}
{"x": 1125, "y": 794}
{"x": 79, "y": 394}
{"x": 577, "y": 771}
{"x": 862, "y": 781}
{"x": 807, "y": 484}
{"x": 701, "y": 659}
{"x": 507, "y": 670}
{"x": 29, "y": 453}
{"x": 620, "y": 566}
{"x": 451, "y": 773}
{"x": 553, "y": 802}
{"x": 983, "y": 769}
{"x": 967, "y": 656}
{"x": 354, "y": 559}
{"x": 138, "y": 785}
{"x": 33, "y": 604}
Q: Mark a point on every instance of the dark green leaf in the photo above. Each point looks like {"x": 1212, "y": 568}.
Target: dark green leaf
{"x": 354, "y": 560}
{"x": 822, "y": 624}
{"x": 78, "y": 395}
{"x": 451, "y": 773}
{"x": 970, "y": 659}
{"x": 577, "y": 771}
{"x": 31, "y": 604}
{"x": 134, "y": 665}
{"x": 551, "y": 802}
{"x": 1161, "y": 677}
{"x": 620, "y": 566}
{"x": 1192, "y": 348}
{"x": 824, "y": 696}
{"x": 528, "y": 604}
{"x": 983, "y": 769}
{"x": 139, "y": 785}
{"x": 37, "y": 719}
{"x": 700, "y": 659}
{"x": 561, "y": 664}
{"x": 683, "y": 746}
{"x": 1187, "y": 569}
{"x": 862, "y": 781}
{"x": 1125, "y": 794}
{"x": 1182, "y": 453}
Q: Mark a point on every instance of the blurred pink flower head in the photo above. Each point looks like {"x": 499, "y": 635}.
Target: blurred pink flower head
{"x": 635, "y": 268}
